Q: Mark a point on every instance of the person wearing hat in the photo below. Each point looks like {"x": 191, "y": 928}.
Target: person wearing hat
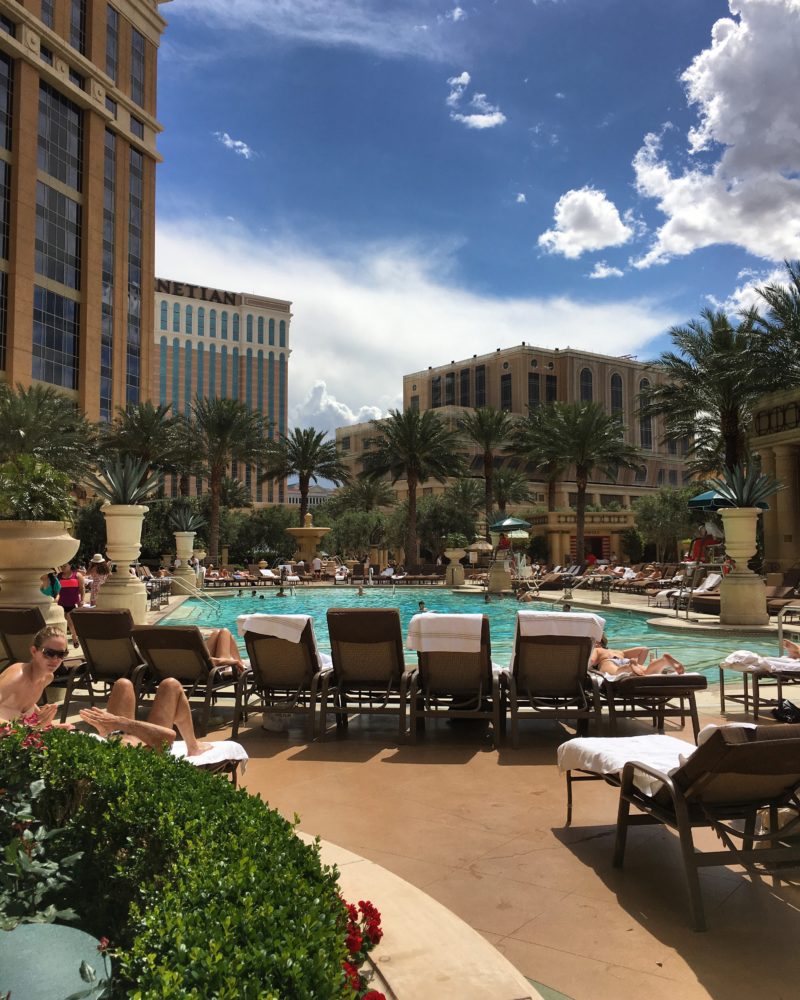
{"x": 97, "y": 576}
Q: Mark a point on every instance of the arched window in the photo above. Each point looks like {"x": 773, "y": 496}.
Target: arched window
{"x": 164, "y": 315}
{"x": 188, "y": 319}
{"x": 249, "y": 328}
{"x": 201, "y": 321}
{"x": 224, "y": 324}
{"x": 176, "y": 317}
{"x": 272, "y": 333}
{"x": 586, "y": 385}
{"x": 236, "y": 326}
{"x": 282, "y": 333}
{"x": 645, "y": 423}
{"x": 212, "y": 322}
{"x": 261, "y": 329}
{"x": 617, "y": 401}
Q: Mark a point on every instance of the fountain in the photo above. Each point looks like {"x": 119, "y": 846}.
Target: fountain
{"x": 308, "y": 538}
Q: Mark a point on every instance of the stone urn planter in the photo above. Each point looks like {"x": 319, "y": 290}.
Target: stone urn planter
{"x": 123, "y": 545}
{"x": 28, "y": 550}
{"x": 184, "y": 574}
{"x": 454, "y": 574}
{"x": 743, "y": 599}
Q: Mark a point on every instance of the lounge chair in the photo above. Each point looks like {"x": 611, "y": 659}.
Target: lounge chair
{"x": 737, "y": 774}
{"x": 768, "y": 674}
{"x": 368, "y": 666}
{"x": 179, "y": 651}
{"x": 455, "y": 678}
{"x": 548, "y": 677}
{"x": 653, "y": 696}
{"x": 284, "y": 661}
{"x": 108, "y": 649}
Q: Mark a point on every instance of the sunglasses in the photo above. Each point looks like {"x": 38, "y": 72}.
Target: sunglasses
{"x": 55, "y": 654}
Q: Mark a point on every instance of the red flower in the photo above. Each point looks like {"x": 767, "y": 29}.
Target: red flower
{"x": 354, "y": 942}
{"x": 33, "y": 740}
{"x": 352, "y": 912}
{"x": 351, "y": 976}
{"x": 102, "y": 944}
{"x": 374, "y": 995}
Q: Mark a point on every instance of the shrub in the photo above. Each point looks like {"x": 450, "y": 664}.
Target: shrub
{"x": 202, "y": 890}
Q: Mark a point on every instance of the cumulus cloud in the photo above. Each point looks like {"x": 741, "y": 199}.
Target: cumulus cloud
{"x": 584, "y": 220}
{"x": 603, "y": 270}
{"x": 521, "y": 199}
{"x": 239, "y": 146}
{"x": 387, "y": 29}
{"x": 743, "y": 187}
{"x": 484, "y": 115}
{"x": 457, "y": 14}
{"x": 365, "y": 315}
{"x": 745, "y": 295}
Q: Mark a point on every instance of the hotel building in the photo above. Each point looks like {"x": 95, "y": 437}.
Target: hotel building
{"x": 77, "y": 196}
{"x": 221, "y": 344}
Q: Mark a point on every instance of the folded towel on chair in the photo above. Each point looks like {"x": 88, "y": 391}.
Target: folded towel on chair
{"x": 434, "y": 633}
{"x": 289, "y": 627}
{"x": 608, "y": 756}
{"x": 748, "y": 662}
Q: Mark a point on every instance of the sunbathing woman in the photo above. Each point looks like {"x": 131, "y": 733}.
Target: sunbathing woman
{"x": 633, "y": 660}
{"x": 223, "y": 650}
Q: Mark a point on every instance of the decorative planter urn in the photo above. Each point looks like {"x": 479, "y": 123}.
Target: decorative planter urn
{"x": 184, "y": 574}
{"x": 454, "y": 574}
{"x": 743, "y": 599}
{"x": 28, "y": 550}
{"x": 123, "y": 545}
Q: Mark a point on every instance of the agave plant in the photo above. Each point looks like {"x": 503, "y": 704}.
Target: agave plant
{"x": 183, "y": 518}
{"x": 124, "y": 481}
{"x": 742, "y": 486}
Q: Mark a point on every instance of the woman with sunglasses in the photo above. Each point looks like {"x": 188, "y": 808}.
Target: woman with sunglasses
{"x": 22, "y": 684}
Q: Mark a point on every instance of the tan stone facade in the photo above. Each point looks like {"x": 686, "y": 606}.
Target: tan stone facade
{"x": 776, "y": 437}
{"x": 77, "y": 159}
{"x": 210, "y": 342}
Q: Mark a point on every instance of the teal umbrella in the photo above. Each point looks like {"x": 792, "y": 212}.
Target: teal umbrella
{"x": 711, "y": 500}
{"x": 509, "y": 524}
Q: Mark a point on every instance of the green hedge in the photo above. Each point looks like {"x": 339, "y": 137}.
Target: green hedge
{"x": 202, "y": 890}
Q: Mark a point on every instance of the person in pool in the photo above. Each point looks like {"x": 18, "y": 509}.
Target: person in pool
{"x": 633, "y": 661}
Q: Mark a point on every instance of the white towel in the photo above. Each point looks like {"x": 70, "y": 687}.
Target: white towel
{"x": 607, "y": 756}
{"x": 567, "y": 623}
{"x": 267, "y": 574}
{"x": 747, "y": 662}
{"x": 289, "y": 627}
{"x": 218, "y": 753}
{"x": 435, "y": 633}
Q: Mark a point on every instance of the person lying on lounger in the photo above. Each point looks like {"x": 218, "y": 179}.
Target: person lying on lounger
{"x": 633, "y": 660}
{"x": 223, "y": 650}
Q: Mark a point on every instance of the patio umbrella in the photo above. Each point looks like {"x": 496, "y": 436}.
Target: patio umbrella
{"x": 711, "y": 500}
{"x": 509, "y": 524}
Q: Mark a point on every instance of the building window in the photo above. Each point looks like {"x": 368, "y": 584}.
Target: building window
{"x": 617, "y": 401}
{"x": 282, "y": 333}
{"x": 176, "y": 317}
{"x": 272, "y": 333}
{"x": 224, "y": 325}
{"x": 660, "y": 479}
{"x": 60, "y": 137}
{"x": 645, "y": 423}
{"x": 6, "y": 94}
{"x": 58, "y": 236}
{"x": 414, "y": 403}
{"x": 672, "y": 446}
{"x": 46, "y": 55}
{"x": 201, "y": 321}
{"x": 107, "y": 308}
{"x": 673, "y": 477}
{"x": 464, "y": 396}
{"x": 641, "y": 475}
{"x": 55, "y": 338}
{"x": 137, "y": 67}
{"x": 212, "y": 322}
{"x": 48, "y": 12}
{"x": 345, "y": 443}
{"x": 551, "y": 388}
{"x": 188, "y": 319}
{"x": 77, "y": 25}
{"x": 164, "y": 324}
{"x": 505, "y": 393}
{"x": 137, "y": 128}
{"x": 436, "y": 391}
{"x": 534, "y": 390}
{"x": 236, "y": 326}
{"x": 133, "y": 374}
{"x": 5, "y": 207}
{"x": 249, "y": 325}
{"x": 450, "y": 389}
{"x": 3, "y": 317}
{"x": 76, "y": 79}
{"x": 586, "y": 385}
{"x": 261, "y": 329}
{"x": 480, "y": 385}
{"x": 112, "y": 42}
{"x": 111, "y": 106}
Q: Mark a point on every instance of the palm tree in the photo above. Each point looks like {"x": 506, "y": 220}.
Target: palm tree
{"x": 489, "y": 429}
{"x": 782, "y": 324}
{"x": 41, "y": 422}
{"x": 509, "y": 486}
{"x": 710, "y": 385}
{"x": 187, "y": 457}
{"x": 143, "y": 432}
{"x": 364, "y": 495}
{"x": 589, "y": 438}
{"x": 415, "y": 446}
{"x": 227, "y": 431}
{"x": 533, "y": 438}
{"x": 306, "y": 454}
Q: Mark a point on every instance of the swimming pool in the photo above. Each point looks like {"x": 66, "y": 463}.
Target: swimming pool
{"x": 624, "y": 628}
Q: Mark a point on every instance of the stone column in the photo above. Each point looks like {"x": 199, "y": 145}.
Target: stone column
{"x": 786, "y": 505}
{"x": 772, "y": 551}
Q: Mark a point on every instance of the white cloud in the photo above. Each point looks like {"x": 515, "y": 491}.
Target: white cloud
{"x": 747, "y": 193}
{"x": 521, "y": 199}
{"x": 584, "y": 220}
{"x": 387, "y": 29}
{"x": 364, "y": 316}
{"x": 745, "y": 296}
{"x": 457, "y": 14}
{"x": 603, "y": 270}
{"x": 239, "y": 146}
{"x": 484, "y": 115}
{"x": 560, "y": 96}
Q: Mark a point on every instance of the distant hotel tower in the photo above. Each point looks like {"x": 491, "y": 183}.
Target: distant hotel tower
{"x": 77, "y": 197}
{"x": 214, "y": 343}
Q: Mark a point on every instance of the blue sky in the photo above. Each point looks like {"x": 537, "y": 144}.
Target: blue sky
{"x": 430, "y": 180}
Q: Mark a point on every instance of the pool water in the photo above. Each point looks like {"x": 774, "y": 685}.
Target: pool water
{"x": 624, "y": 628}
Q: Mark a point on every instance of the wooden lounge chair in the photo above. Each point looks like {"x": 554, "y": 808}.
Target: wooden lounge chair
{"x": 287, "y": 676}
{"x": 179, "y": 651}
{"x": 368, "y": 666}
{"x": 453, "y": 684}
{"x": 735, "y": 775}
{"x": 108, "y": 649}
{"x": 548, "y": 676}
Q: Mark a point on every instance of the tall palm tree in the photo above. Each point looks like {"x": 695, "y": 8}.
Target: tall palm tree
{"x": 143, "y": 432}
{"x": 781, "y": 322}
{"x": 41, "y": 422}
{"x": 589, "y": 438}
{"x": 534, "y": 440}
{"x": 710, "y": 385}
{"x": 187, "y": 458}
{"x": 490, "y": 430}
{"x": 415, "y": 446}
{"x": 509, "y": 486}
{"x": 227, "y": 431}
{"x": 364, "y": 495}
{"x": 306, "y": 454}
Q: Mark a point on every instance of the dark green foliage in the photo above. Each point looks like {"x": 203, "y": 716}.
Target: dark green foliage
{"x": 262, "y": 535}
{"x": 124, "y": 480}
{"x": 537, "y": 549}
{"x": 203, "y": 891}
{"x": 632, "y": 545}
{"x": 31, "y": 490}
{"x": 90, "y": 527}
